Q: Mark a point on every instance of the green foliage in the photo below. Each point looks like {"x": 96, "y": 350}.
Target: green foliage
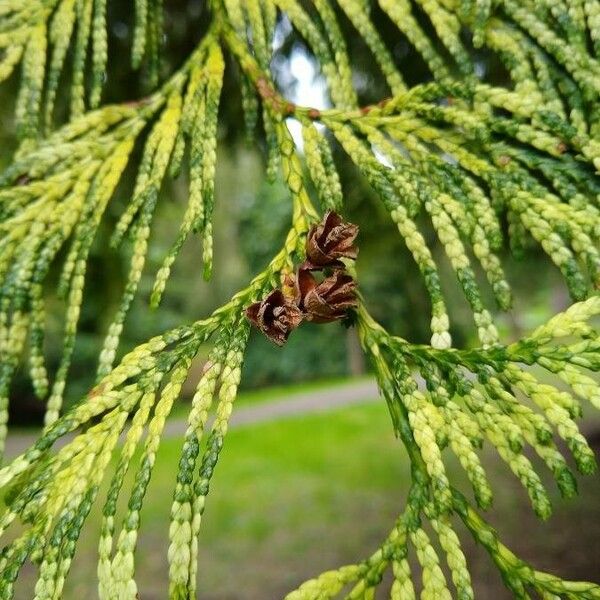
{"x": 458, "y": 153}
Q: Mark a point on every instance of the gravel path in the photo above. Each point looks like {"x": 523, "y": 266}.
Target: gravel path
{"x": 299, "y": 403}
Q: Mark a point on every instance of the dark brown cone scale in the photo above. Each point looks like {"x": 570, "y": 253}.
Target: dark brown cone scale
{"x": 326, "y": 301}
{"x": 275, "y": 316}
{"x": 329, "y": 241}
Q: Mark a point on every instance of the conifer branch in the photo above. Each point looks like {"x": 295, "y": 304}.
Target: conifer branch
{"x": 458, "y": 152}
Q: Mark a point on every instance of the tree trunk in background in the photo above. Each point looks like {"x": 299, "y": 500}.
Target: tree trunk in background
{"x": 356, "y": 358}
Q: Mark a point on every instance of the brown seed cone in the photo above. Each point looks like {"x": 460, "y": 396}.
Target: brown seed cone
{"x": 329, "y": 241}
{"x": 326, "y": 301}
{"x": 275, "y": 316}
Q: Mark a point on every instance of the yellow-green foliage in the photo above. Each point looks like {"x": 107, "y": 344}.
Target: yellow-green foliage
{"x": 459, "y": 152}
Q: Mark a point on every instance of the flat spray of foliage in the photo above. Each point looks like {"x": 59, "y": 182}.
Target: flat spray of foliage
{"x": 459, "y": 152}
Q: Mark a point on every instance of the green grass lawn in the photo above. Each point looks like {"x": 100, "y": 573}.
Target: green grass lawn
{"x": 292, "y": 498}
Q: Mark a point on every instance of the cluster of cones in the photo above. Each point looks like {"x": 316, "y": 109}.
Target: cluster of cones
{"x": 308, "y": 298}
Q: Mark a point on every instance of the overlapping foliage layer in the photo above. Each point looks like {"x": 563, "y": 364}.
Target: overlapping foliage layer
{"x": 481, "y": 165}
